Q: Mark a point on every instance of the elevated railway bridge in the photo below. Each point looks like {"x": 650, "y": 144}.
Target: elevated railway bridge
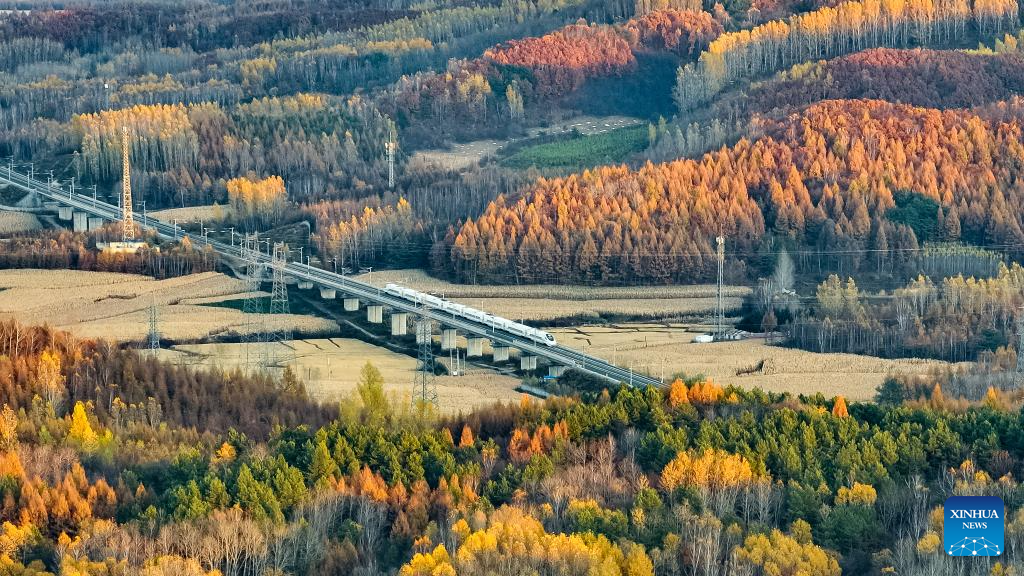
{"x": 87, "y": 212}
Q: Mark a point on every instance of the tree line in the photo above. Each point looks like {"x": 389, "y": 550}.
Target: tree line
{"x": 514, "y": 80}
{"x": 114, "y": 463}
{"x": 833, "y": 31}
{"x": 842, "y": 178}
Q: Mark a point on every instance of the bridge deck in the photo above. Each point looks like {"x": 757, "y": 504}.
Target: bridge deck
{"x": 559, "y": 355}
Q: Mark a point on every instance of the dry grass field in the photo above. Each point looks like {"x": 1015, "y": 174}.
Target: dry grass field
{"x": 330, "y": 368}
{"x": 549, "y": 302}
{"x": 192, "y": 213}
{"x": 116, "y": 306}
{"x": 18, "y": 222}
{"x": 660, "y": 349}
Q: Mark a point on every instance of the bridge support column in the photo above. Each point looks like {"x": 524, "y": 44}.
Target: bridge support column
{"x": 65, "y": 212}
{"x": 556, "y": 371}
{"x": 399, "y": 323}
{"x": 527, "y": 363}
{"x": 375, "y": 314}
{"x": 79, "y": 221}
{"x": 351, "y": 304}
{"x": 449, "y": 339}
{"x": 95, "y": 222}
{"x": 304, "y": 285}
{"x": 423, "y": 335}
{"x": 475, "y": 347}
{"x": 325, "y": 293}
{"x": 500, "y": 353}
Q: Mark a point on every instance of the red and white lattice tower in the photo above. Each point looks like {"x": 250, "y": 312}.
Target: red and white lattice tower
{"x": 127, "y": 221}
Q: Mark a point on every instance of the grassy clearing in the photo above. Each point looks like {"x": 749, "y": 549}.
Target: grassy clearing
{"x": 581, "y": 151}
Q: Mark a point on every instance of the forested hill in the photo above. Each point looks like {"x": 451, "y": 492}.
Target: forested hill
{"x": 114, "y": 464}
{"x": 823, "y": 178}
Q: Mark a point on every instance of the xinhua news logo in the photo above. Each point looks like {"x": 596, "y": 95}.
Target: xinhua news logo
{"x": 973, "y": 526}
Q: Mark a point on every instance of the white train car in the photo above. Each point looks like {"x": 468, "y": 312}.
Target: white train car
{"x": 457, "y": 309}
{"x": 473, "y": 314}
{"x": 431, "y": 300}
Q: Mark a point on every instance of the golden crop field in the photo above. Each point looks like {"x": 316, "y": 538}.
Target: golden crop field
{"x": 660, "y": 349}
{"x": 17, "y": 222}
{"x": 116, "y": 306}
{"x": 330, "y": 368}
{"x": 549, "y": 302}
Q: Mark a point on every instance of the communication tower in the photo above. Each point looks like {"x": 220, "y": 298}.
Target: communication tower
{"x": 127, "y": 219}
{"x": 720, "y": 303}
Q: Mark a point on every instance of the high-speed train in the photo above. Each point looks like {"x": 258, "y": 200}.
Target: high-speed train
{"x": 473, "y": 314}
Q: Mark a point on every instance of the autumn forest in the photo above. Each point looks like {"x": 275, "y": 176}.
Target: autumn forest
{"x": 863, "y": 161}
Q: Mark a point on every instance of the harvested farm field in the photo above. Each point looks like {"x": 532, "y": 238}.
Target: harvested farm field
{"x": 551, "y": 302}
{"x": 116, "y": 306}
{"x": 330, "y": 368}
{"x": 669, "y": 348}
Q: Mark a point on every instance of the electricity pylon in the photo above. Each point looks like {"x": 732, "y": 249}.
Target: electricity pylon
{"x": 154, "y": 334}
{"x": 424, "y": 384}
{"x": 1018, "y": 380}
{"x": 390, "y": 147}
{"x": 252, "y": 308}
{"x": 278, "y": 305}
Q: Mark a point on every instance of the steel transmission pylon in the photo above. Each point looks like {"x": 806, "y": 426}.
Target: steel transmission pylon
{"x": 252, "y": 307}
{"x": 1018, "y": 377}
{"x": 390, "y": 146}
{"x": 278, "y": 305}
{"x": 154, "y": 334}
{"x": 424, "y": 383}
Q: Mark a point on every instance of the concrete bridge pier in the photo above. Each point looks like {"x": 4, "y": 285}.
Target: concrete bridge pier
{"x": 65, "y": 213}
{"x": 500, "y": 353}
{"x": 350, "y": 304}
{"x": 95, "y": 223}
{"x": 527, "y": 363}
{"x": 79, "y": 221}
{"x": 399, "y": 323}
{"x": 556, "y": 371}
{"x": 449, "y": 339}
{"x": 304, "y": 284}
{"x": 325, "y": 293}
{"x": 375, "y": 314}
{"x": 475, "y": 347}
